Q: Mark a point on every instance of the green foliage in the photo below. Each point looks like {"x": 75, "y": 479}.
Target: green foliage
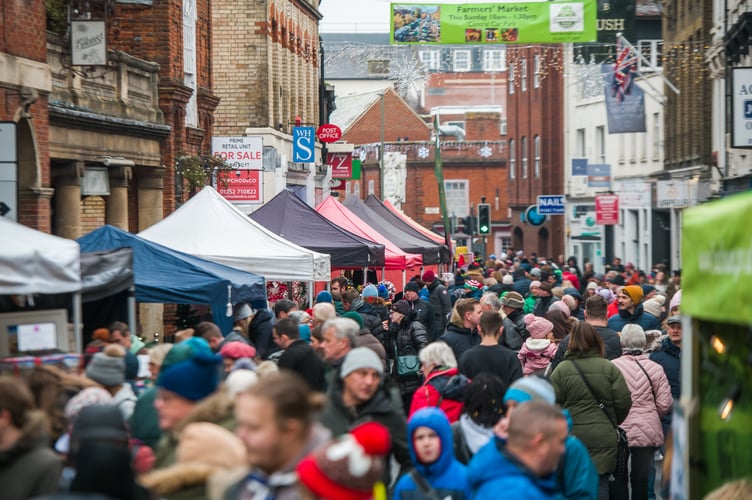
{"x": 57, "y": 16}
{"x": 197, "y": 171}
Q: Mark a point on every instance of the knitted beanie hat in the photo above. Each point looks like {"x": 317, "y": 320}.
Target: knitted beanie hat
{"x": 108, "y": 367}
{"x": 675, "y": 301}
{"x": 530, "y": 388}
{"x": 360, "y": 357}
{"x": 428, "y": 277}
{"x": 654, "y": 306}
{"x": 383, "y": 292}
{"x": 237, "y": 350}
{"x": 507, "y": 279}
{"x": 348, "y": 468}
{"x": 194, "y": 379}
{"x": 473, "y": 285}
{"x": 323, "y": 296}
{"x": 412, "y": 286}
{"x": 561, "y": 306}
{"x": 369, "y": 291}
{"x": 634, "y": 292}
{"x": 537, "y": 326}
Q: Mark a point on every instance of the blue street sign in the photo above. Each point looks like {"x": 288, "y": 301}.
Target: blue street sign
{"x": 551, "y": 204}
{"x": 303, "y": 144}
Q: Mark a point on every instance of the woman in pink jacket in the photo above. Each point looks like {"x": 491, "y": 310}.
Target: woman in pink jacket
{"x": 651, "y": 399}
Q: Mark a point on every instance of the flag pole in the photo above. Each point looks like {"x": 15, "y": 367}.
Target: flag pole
{"x": 439, "y": 173}
{"x": 620, "y": 37}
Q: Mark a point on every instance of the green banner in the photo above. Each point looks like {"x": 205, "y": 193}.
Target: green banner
{"x": 717, "y": 260}
{"x": 494, "y": 23}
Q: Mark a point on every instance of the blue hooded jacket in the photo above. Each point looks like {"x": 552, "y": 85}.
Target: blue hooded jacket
{"x": 492, "y": 471}
{"x": 446, "y": 475}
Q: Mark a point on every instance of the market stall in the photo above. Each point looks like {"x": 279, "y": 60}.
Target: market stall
{"x": 40, "y": 281}
{"x": 712, "y": 431}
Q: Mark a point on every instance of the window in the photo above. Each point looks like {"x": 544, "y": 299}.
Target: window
{"x": 600, "y": 143}
{"x": 430, "y": 59}
{"x": 189, "y": 60}
{"x": 537, "y": 155}
{"x": 457, "y": 197}
{"x": 523, "y": 154}
{"x": 537, "y": 71}
{"x": 652, "y": 51}
{"x": 461, "y": 60}
{"x": 512, "y": 159}
{"x": 371, "y": 187}
{"x": 494, "y": 60}
{"x": 523, "y": 74}
{"x": 510, "y": 80}
{"x": 581, "y": 143}
{"x": 503, "y": 127}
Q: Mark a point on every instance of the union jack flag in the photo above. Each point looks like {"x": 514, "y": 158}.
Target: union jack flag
{"x": 624, "y": 70}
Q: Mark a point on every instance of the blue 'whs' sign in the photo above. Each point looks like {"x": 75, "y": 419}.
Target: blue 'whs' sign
{"x": 303, "y": 144}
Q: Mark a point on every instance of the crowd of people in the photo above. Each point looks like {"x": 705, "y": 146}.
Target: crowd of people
{"x": 519, "y": 378}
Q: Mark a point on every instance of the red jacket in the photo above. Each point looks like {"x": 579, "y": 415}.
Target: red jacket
{"x": 427, "y": 396}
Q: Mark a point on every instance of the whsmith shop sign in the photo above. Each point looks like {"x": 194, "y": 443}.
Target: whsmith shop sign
{"x": 494, "y": 23}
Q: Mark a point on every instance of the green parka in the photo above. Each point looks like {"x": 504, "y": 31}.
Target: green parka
{"x": 590, "y": 424}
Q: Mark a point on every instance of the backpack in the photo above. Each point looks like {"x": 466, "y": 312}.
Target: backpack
{"x": 451, "y": 388}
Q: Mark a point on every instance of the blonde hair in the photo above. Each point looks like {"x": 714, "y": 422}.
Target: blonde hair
{"x": 266, "y": 368}
{"x": 158, "y": 352}
{"x": 741, "y": 488}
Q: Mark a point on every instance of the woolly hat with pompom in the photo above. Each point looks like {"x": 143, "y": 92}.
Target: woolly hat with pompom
{"x": 654, "y": 306}
{"x": 108, "y": 367}
{"x": 350, "y": 467}
{"x": 538, "y": 327}
{"x": 193, "y": 379}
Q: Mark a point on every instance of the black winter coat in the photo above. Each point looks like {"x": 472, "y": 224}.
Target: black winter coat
{"x": 260, "y": 333}
{"x": 460, "y": 339}
{"x": 302, "y": 359}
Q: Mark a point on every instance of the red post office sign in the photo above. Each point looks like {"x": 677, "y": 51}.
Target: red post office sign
{"x": 607, "y": 209}
{"x": 341, "y": 165}
{"x": 329, "y": 133}
{"x": 241, "y": 186}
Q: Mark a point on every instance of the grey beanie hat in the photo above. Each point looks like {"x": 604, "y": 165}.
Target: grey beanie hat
{"x": 108, "y": 367}
{"x": 360, "y": 357}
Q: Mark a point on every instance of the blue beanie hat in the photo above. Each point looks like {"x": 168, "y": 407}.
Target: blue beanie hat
{"x": 323, "y": 296}
{"x": 530, "y": 388}
{"x": 370, "y": 291}
{"x": 383, "y": 292}
{"x": 194, "y": 379}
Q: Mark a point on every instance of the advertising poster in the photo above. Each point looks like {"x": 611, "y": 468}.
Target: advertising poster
{"x": 501, "y": 23}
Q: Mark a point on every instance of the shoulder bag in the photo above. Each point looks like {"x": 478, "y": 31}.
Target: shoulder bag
{"x": 408, "y": 363}
{"x": 621, "y": 473}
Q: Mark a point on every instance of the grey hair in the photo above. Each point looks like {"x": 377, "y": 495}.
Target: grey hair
{"x": 299, "y": 315}
{"x": 344, "y": 328}
{"x": 633, "y": 337}
{"x": 324, "y": 311}
{"x": 492, "y": 300}
{"x": 438, "y": 354}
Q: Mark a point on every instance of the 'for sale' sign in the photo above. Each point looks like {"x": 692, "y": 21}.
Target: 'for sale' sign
{"x": 241, "y": 186}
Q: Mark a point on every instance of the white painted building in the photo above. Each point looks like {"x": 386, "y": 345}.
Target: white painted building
{"x": 632, "y": 159}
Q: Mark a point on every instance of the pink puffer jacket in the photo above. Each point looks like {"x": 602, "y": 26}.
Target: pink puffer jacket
{"x": 643, "y": 424}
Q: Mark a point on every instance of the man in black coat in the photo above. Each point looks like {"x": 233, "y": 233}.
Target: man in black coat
{"x": 298, "y": 356}
{"x": 441, "y": 304}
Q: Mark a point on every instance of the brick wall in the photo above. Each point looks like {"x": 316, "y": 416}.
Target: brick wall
{"x": 265, "y": 65}
{"x": 92, "y": 213}
{"x": 531, "y": 113}
{"x": 21, "y": 23}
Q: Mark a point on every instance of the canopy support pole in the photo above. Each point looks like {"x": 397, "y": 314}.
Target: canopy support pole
{"x": 404, "y": 278}
{"x": 132, "y": 310}
{"x": 365, "y": 276}
{"x": 77, "y": 307}
{"x": 310, "y": 293}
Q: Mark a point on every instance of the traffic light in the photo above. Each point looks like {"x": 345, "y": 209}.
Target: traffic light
{"x": 468, "y": 225}
{"x": 484, "y": 218}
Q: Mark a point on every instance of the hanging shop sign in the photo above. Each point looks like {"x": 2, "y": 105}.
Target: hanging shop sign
{"x": 501, "y": 23}
{"x": 88, "y": 43}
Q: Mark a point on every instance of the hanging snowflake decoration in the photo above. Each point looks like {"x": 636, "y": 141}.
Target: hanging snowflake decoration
{"x": 423, "y": 152}
{"x": 486, "y": 151}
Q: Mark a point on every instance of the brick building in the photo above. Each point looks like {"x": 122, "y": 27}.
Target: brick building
{"x": 266, "y": 66}
{"x": 473, "y": 168}
{"x": 25, "y": 84}
{"x": 535, "y": 144}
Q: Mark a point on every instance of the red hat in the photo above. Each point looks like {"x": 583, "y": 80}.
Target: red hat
{"x": 428, "y": 277}
{"x": 237, "y": 350}
{"x": 349, "y": 467}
